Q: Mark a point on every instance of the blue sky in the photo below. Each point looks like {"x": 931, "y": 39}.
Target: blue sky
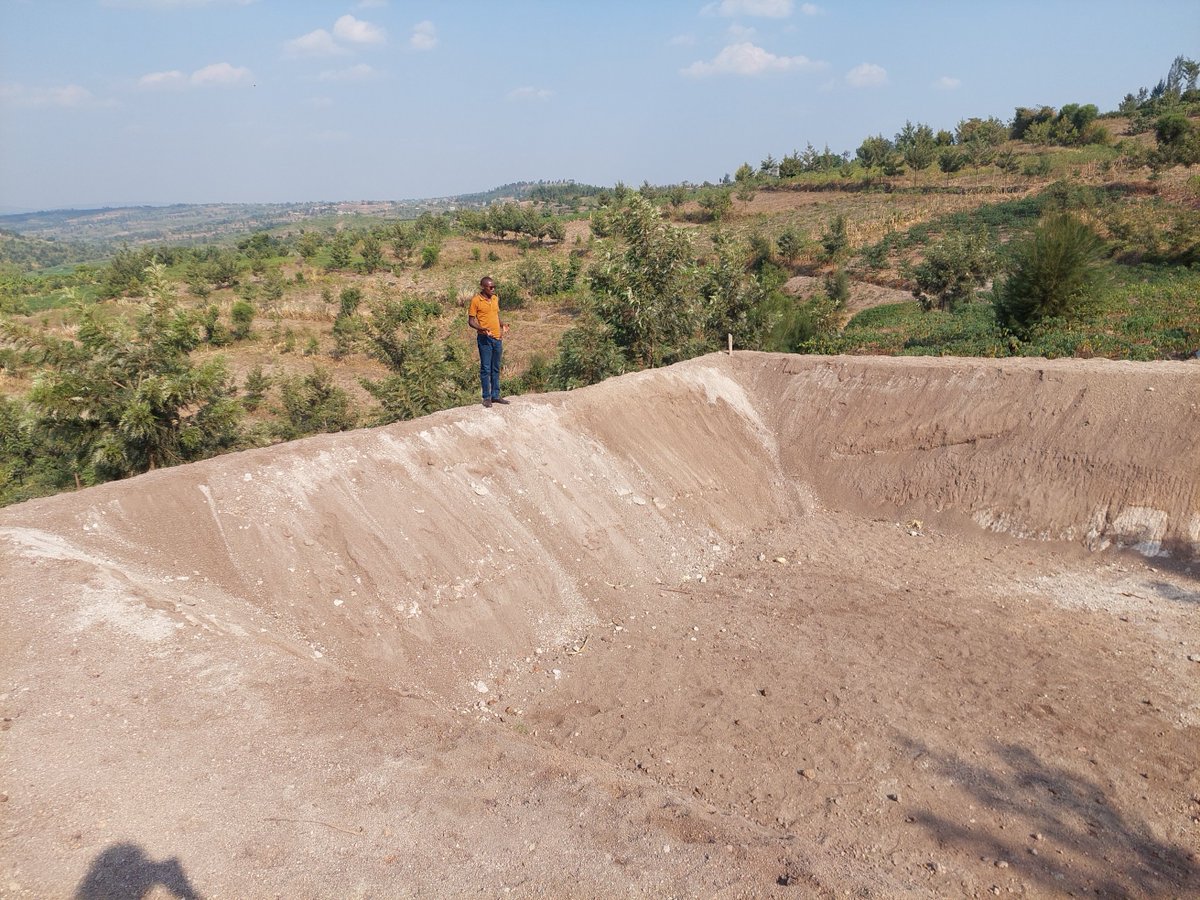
{"x": 113, "y": 102}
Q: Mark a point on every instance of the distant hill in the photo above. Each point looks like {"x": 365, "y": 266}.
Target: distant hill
{"x": 188, "y": 223}
{"x": 98, "y": 232}
{"x": 34, "y": 253}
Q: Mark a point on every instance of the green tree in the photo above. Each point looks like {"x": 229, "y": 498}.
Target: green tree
{"x": 123, "y": 399}
{"x": 587, "y": 354}
{"x": 835, "y": 239}
{"x": 790, "y": 244}
{"x": 372, "y": 253}
{"x": 1178, "y": 139}
{"x": 990, "y": 131}
{"x": 917, "y": 146}
{"x": 644, "y": 283}
{"x": 314, "y": 405}
{"x": 954, "y": 268}
{"x": 716, "y": 203}
{"x": 124, "y": 272}
{"x": 309, "y": 244}
{"x": 349, "y": 300}
{"x": 255, "y": 389}
{"x": 428, "y": 372}
{"x": 734, "y": 302}
{"x": 404, "y": 241}
{"x": 876, "y": 153}
{"x": 837, "y": 288}
{"x": 28, "y": 466}
{"x": 215, "y": 332}
{"x": 241, "y": 318}
{"x": 951, "y": 160}
{"x": 341, "y": 251}
{"x": 1052, "y": 274}
{"x": 273, "y": 287}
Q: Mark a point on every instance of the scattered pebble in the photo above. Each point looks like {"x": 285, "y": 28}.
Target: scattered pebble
{"x": 481, "y": 686}
{"x": 894, "y": 797}
{"x": 810, "y": 774}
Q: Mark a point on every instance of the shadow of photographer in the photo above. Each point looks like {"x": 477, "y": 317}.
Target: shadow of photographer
{"x": 125, "y": 872}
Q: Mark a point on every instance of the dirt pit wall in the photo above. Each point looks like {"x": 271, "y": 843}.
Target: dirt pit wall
{"x": 657, "y": 637}
{"x": 440, "y": 545}
{"x": 1095, "y": 452}
{"x": 473, "y": 534}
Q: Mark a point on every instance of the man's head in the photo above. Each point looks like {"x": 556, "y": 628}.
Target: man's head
{"x": 487, "y": 286}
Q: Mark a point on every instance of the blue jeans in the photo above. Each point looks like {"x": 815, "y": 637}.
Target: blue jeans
{"x": 490, "y": 349}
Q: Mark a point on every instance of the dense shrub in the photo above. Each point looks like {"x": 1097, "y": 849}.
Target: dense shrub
{"x": 1053, "y": 274}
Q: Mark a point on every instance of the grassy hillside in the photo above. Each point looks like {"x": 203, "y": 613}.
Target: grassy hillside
{"x": 251, "y": 325}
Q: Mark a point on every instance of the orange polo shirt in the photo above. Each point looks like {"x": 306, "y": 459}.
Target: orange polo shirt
{"x": 487, "y": 313}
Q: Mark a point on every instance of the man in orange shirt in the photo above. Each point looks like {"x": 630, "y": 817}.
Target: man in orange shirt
{"x": 484, "y": 317}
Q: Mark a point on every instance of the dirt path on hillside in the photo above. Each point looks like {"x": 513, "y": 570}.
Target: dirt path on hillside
{"x": 751, "y": 626}
{"x": 863, "y": 294}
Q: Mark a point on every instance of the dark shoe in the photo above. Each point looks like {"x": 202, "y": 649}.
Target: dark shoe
{"x": 487, "y": 403}
{"x": 500, "y": 400}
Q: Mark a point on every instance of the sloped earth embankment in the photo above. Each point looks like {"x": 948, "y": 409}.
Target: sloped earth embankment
{"x": 746, "y": 626}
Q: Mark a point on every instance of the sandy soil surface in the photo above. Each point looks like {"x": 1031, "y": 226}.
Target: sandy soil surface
{"x": 750, "y": 626}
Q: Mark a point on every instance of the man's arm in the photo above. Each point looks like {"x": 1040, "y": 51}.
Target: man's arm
{"x": 473, "y": 322}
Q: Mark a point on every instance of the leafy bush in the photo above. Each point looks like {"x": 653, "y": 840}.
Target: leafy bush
{"x": 834, "y": 239}
{"x": 124, "y": 399}
{"x": 314, "y": 405}
{"x": 241, "y": 317}
{"x": 587, "y": 354}
{"x": 428, "y": 374}
{"x": 953, "y": 269}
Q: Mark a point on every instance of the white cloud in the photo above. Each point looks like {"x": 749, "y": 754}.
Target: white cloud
{"x": 530, "y": 93}
{"x": 220, "y": 74}
{"x": 748, "y": 59}
{"x": 173, "y": 78}
{"x": 315, "y": 43}
{"x": 356, "y": 31}
{"x": 66, "y": 96}
{"x": 741, "y": 32}
{"x": 947, "y": 83}
{"x": 171, "y": 4}
{"x": 810, "y": 9}
{"x": 768, "y": 9}
{"x": 217, "y": 75}
{"x": 867, "y": 75}
{"x": 361, "y": 72}
{"x": 424, "y": 36}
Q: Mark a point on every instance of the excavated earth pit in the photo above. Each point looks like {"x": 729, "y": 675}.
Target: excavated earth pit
{"x": 748, "y": 626}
